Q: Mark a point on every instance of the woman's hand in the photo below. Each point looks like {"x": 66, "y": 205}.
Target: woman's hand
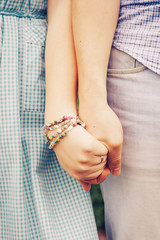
{"x": 103, "y": 123}
{"x": 79, "y": 154}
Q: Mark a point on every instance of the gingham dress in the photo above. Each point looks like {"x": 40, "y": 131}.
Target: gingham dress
{"x": 38, "y": 199}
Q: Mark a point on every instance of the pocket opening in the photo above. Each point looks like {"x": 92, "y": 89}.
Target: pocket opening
{"x": 34, "y": 61}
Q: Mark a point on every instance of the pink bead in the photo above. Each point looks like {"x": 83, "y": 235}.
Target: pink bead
{"x": 67, "y": 118}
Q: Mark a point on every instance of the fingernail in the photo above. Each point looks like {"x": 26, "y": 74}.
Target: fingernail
{"x": 116, "y": 171}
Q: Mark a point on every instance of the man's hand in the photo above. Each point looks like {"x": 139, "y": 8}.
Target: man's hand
{"x": 104, "y": 124}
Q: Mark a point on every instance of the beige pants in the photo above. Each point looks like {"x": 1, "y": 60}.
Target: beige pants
{"x": 132, "y": 200}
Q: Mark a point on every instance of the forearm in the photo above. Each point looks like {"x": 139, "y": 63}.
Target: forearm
{"x": 94, "y": 24}
{"x": 61, "y": 71}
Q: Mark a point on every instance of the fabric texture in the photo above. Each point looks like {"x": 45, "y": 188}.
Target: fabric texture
{"x": 132, "y": 200}
{"x": 138, "y": 31}
{"x": 38, "y": 199}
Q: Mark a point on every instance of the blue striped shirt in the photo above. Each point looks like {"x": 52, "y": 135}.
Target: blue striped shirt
{"x": 138, "y": 31}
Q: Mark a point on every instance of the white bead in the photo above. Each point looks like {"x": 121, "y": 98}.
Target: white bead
{"x": 70, "y": 127}
{"x": 73, "y": 120}
{"x": 59, "y": 130}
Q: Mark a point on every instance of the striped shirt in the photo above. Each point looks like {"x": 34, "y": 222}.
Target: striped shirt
{"x": 138, "y": 31}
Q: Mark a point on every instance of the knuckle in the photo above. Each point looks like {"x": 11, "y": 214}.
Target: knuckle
{"x": 78, "y": 175}
{"x": 89, "y": 147}
{"x": 81, "y": 168}
{"x": 83, "y": 161}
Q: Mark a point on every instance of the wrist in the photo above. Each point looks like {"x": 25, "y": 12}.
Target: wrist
{"x": 93, "y": 90}
{"x": 92, "y": 99}
{"x": 58, "y": 105}
{"x": 88, "y": 108}
{"x": 57, "y": 111}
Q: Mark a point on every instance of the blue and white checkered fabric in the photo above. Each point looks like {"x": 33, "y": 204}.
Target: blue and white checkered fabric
{"x": 38, "y": 199}
{"x": 138, "y": 31}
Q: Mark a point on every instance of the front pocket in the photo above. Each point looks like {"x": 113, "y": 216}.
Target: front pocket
{"x": 126, "y": 71}
{"x": 122, "y": 63}
{"x": 34, "y": 72}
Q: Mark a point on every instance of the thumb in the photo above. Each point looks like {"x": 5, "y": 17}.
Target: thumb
{"x": 114, "y": 161}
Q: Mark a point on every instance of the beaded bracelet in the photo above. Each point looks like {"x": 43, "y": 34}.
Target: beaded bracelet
{"x": 55, "y": 123}
{"x": 61, "y": 128}
{"x": 64, "y": 125}
{"x": 53, "y": 143}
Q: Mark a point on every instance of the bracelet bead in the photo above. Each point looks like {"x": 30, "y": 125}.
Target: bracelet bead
{"x": 63, "y": 125}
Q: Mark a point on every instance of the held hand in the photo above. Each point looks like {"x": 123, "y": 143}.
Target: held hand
{"x": 98, "y": 180}
{"x": 79, "y": 154}
{"x": 103, "y": 123}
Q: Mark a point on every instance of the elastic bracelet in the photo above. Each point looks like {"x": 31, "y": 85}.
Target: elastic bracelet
{"x": 62, "y": 128}
{"x": 63, "y": 125}
{"x": 54, "y": 142}
{"x": 55, "y": 123}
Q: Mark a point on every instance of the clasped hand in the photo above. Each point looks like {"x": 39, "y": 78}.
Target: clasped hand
{"x": 80, "y": 152}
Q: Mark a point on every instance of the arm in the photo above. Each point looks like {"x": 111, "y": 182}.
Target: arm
{"x": 61, "y": 70}
{"x": 78, "y": 153}
{"x": 94, "y": 24}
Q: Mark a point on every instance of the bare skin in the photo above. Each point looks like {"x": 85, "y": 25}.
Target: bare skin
{"x": 94, "y": 24}
{"x": 79, "y": 152}
{"x": 93, "y": 34}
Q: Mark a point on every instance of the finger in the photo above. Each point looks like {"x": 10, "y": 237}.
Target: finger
{"x": 99, "y": 148}
{"x": 114, "y": 161}
{"x": 96, "y": 160}
{"x": 100, "y": 178}
{"x": 93, "y": 176}
{"x": 91, "y": 172}
{"x": 92, "y": 181}
{"x": 96, "y": 167}
{"x": 86, "y": 186}
{"x": 103, "y": 175}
